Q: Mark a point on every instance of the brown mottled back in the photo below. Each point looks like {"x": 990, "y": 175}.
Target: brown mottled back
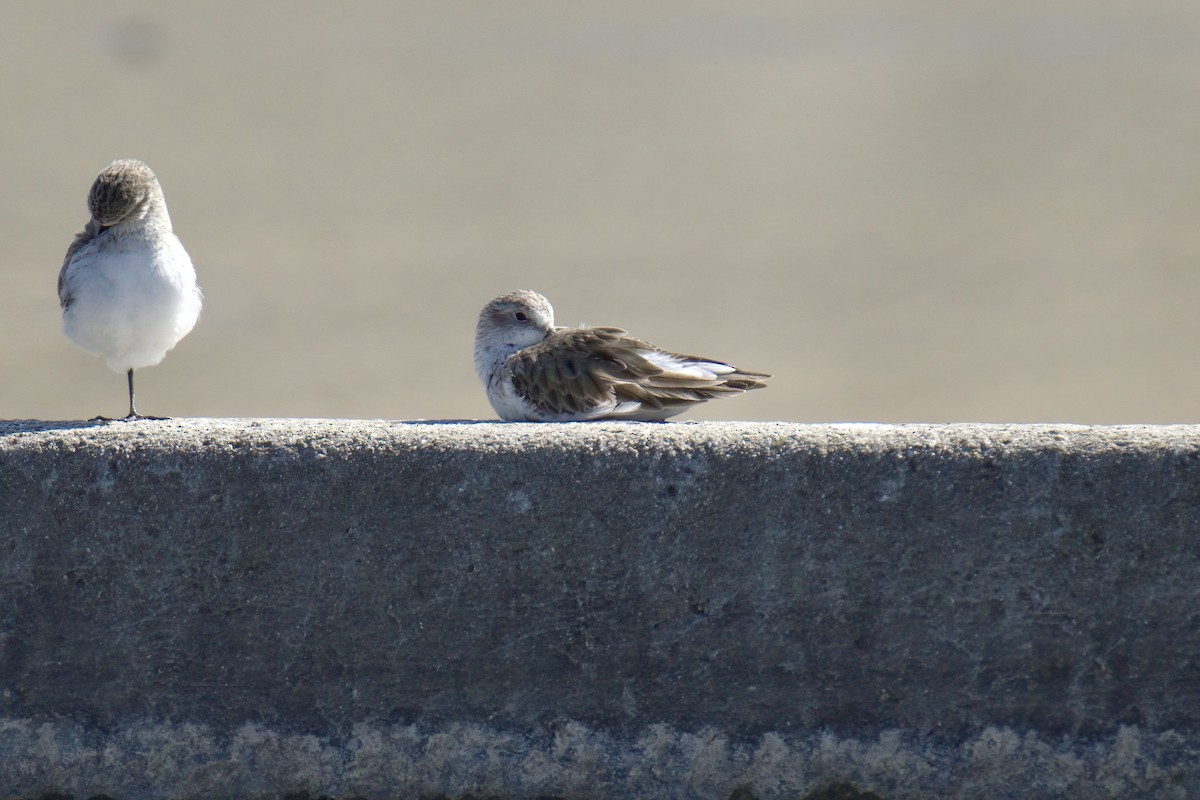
{"x": 575, "y": 370}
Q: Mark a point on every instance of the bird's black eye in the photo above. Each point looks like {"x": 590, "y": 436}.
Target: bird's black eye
{"x": 521, "y": 316}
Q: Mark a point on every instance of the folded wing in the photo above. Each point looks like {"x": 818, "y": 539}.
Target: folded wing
{"x": 593, "y": 372}
{"x": 82, "y": 239}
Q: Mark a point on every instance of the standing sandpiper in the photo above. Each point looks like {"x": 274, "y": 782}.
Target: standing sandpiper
{"x": 535, "y": 371}
{"x": 127, "y": 287}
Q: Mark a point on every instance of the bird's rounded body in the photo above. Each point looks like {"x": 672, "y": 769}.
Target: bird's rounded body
{"x": 133, "y": 296}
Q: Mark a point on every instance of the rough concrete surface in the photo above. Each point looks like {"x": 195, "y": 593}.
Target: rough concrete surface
{"x": 237, "y": 608}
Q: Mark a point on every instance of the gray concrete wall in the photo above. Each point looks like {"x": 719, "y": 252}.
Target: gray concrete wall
{"x": 239, "y": 608}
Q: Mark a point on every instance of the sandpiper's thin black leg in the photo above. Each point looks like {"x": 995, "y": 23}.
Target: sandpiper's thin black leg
{"x": 133, "y": 408}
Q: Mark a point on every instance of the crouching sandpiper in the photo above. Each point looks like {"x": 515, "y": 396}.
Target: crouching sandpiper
{"x": 535, "y": 371}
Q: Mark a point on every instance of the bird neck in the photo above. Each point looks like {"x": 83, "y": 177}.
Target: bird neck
{"x": 490, "y": 355}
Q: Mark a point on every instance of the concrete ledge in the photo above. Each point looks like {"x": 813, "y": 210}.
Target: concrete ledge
{"x": 239, "y": 608}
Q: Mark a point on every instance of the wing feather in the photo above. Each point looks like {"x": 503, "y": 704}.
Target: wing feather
{"x": 82, "y": 239}
{"x": 586, "y": 371}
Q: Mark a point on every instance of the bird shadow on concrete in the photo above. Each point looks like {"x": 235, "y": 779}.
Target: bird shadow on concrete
{"x": 9, "y": 427}
{"x": 523, "y": 422}
{"x": 446, "y": 421}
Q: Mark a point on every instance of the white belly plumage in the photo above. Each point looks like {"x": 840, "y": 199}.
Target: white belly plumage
{"x": 132, "y": 298}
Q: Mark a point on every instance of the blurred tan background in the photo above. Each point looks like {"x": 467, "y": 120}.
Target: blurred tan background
{"x": 919, "y": 211}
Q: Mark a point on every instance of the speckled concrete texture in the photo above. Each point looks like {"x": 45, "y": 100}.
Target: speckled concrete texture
{"x": 242, "y": 607}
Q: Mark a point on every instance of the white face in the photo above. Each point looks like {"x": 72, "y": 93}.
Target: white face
{"x": 514, "y": 321}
